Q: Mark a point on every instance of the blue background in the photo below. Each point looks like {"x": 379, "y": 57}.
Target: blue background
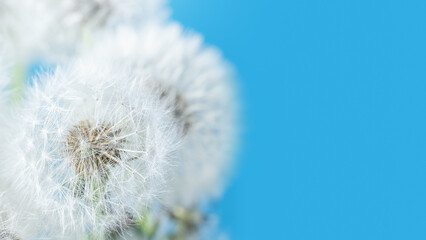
{"x": 334, "y": 97}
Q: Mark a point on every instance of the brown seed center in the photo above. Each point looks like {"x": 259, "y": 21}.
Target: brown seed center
{"x": 92, "y": 148}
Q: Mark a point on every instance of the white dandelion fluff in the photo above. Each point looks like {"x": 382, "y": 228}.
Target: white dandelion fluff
{"x": 97, "y": 13}
{"x": 24, "y": 30}
{"x": 54, "y": 30}
{"x": 8, "y": 227}
{"x": 89, "y": 149}
{"x": 4, "y": 82}
{"x": 196, "y": 84}
{"x": 6, "y": 92}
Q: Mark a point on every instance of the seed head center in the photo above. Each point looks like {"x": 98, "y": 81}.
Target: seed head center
{"x": 93, "y": 147}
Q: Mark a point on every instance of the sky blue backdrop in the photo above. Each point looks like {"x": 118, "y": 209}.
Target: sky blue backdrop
{"x": 335, "y": 108}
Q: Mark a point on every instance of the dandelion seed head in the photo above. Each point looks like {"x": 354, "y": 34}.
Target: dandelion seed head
{"x": 175, "y": 102}
{"x": 99, "y": 13}
{"x": 101, "y": 150}
{"x": 62, "y": 28}
{"x": 196, "y": 85}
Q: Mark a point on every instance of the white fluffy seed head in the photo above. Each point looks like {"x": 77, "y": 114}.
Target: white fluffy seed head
{"x": 52, "y": 30}
{"x": 25, "y": 30}
{"x": 197, "y": 85}
{"x": 99, "y": 13}
{"x": 89, "y": 148}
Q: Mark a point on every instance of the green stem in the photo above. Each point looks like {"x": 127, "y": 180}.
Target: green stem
{"x": 18, "y": 81}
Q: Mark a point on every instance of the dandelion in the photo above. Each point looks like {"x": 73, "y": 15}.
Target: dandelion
{"x": 132, "y": 135}
{"x": 98, "y": 13}
{"x": 55, "y": 30}
{"x": 195, "y": 84}
{"x": 24, "y": 26}
{"x": 88, "y": 148}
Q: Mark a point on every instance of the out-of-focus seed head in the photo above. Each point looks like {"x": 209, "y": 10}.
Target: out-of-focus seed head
{"x": 173, "y": 100}
{"x": 196, "y": 85}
